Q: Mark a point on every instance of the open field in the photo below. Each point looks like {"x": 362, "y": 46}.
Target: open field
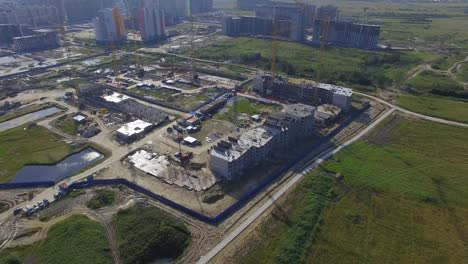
{"x": 462, "y": 74}
{"x": 74, "y": 240}
{"x": 347, "y": 66}
{"x": 293, "y": 222}
{"x": 428, "y": 81}
{"x": 402, "y": 197}
{"x": 147, "y": 234}
{"x": 35, "y": 145}
{"x": 103, "y": 198}
{"x": 67, "y": 125}
{"x": 456, "y": 110}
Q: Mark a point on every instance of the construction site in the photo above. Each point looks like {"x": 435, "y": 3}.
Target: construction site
{"x": 202, "y": 140}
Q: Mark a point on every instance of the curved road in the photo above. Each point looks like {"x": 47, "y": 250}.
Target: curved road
{"x": 227, "y": 240}
{"x": 425, "y": 117}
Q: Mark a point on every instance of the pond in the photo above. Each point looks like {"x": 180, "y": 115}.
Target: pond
{"x": 70, "y": 166}
{"x": 28, "y": 118}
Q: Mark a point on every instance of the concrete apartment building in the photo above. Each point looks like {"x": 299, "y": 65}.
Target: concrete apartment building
{"x": 41, "y": 40}
{"x": 257, "y": 26}
{"x": 10, "y": 31}
{"x": 201, "y": 6}
{"x": 232, "y": 157}
{"x": 302, "y": 15}
{"x": 32, "y": 15}
{"x": 307, "y": 93}
{"x": 152, "y": 24}
{"x": 250, "y": 4}
{"x": 109, "y": 26}
{"x": 327, "y": 13}
{"x": 347, "y": 34}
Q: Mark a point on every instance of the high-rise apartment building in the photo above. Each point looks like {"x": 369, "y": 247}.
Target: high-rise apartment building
{"x": 151, "y": 23}
{"x": 346, "y": 34}
{"x": 41, "y": 40}
{"x": 201, "y": 6}
{"x": 109, "y": 26}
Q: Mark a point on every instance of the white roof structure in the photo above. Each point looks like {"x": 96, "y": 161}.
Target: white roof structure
{"x": 134, "y": 128}
{"x": 79, "y": 118}
{"x": 149, "y": 163}
{"x": 115, "y": 98}
{"x": 336, "y": 89}
{"x": 190, "y": 140}
{"x": 257, "y": 137}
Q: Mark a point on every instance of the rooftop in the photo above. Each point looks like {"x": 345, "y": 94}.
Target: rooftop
{"x": 150, "y": 163}
{"x": 257, "y": 137}
{"x": 79, "y": 118}
{"x": 134, "y": 128}
{"x": 115, "y": 98}
{"x": 336, "y": 89}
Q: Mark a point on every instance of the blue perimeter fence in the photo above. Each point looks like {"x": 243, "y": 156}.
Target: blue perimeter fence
{"x": 211, "y": 220}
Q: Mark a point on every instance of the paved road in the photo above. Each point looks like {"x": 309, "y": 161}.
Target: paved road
{"x": 226, "y": 241}
{"x": 425, "y": 117}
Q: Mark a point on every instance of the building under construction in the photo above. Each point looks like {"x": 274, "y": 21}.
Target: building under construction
{"x": 231, "y": 157}
{"x": 261, "y": 27}
{"x": 110, "y": 26}
{"x": 327, "y": 13}
{"x": 250, "y": 4}
{"x": 40, "y": 40}
{"x": 308, "y": 93}
{"x": 346, "y": 34}
{"x": 152, "y": 24}
{"x": 10, "y": 31}
{"x": 300, "y": 15}
{"x": 96, "y": 97}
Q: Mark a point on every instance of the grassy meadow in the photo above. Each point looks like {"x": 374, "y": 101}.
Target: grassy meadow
{"x": 428, "y": 81}
{"x": 456, "y": 110}
{"x": 337, "y": 65}
{"x": 402, "y": 195}
{"x": 35, "y": 145}
{"x": 102, "y": 198}
{"x": 74, "y": 240}
{"x": 147, "y": 234}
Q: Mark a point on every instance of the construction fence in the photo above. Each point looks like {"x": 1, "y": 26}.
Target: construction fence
{"x": 211, "y": 220}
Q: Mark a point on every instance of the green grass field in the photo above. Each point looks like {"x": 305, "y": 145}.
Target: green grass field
{"x": 427, "y": 81}
{"x": 22, "y": 146}
{"x": 462, "y": 74}
{"x": 102, "y": 198}
{"x": 402, "y": 199}
{"x": 285, "y": 237}
{"x": 147, "y": 234}
{"x": 347, "y": 66}
{"x": 67, "y": 125}
{"x": 246, "y": 106}
{"x": 456, "y": 110}
{"x": 74, "y": 240}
